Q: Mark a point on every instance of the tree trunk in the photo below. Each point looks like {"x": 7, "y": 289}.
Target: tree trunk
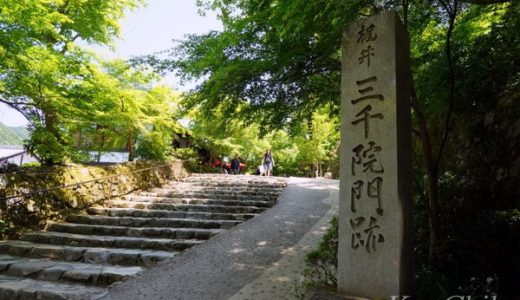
{"x": 433, "y": 214}
{"x": 431, "y": 165}
{"x": 433, "y": 179}
{"x": 50, "y": 125}
{"x": 102, "y": 146}
{"x": 130, "y": 146}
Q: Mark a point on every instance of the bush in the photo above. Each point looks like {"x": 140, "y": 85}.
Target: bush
{"x": 154, "y": 146}
{"x": 321, "y": 264}
{"x": 185, "y": 153}
{"x": 52, "y": 148}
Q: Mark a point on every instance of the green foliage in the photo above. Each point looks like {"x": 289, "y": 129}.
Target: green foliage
{"x": 279, "y": 61}
{"x": 126, "y": 108}
{"x": 34, "y": 164}
{"x": 282, "y": 58}
{"x": 64, "y": 92}
{"x": 271, "y": 80}
{"x": 154, "y": 146}
{"x": 313, "y": 142}
{"x": 185, "y": 153}
{"x": 481, "y": 259}
{"x": 322, "y": 263}
{"x": 3, "y": 227}
{"x": 479, "y": 171}
{"x": 47, "y": 146}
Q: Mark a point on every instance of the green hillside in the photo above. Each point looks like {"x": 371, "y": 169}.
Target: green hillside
{"x": 20, "y": 131}
{"x": 12, "y": 135}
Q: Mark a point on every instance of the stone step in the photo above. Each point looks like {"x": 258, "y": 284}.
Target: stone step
{"x": 247, "y": 184}
{"x": 234, "y": 184}
{"x": 81, "y": 240}
{"x": 242, "y": 190}
{"x": 151, "y": 222}
{"x": 192, "y": 196}
{"x": 152, "y": 213}
{"x": 207, "y": 195}
{"x": 51, "y": 270}
{"x": 241, "y": 179}
{"x": 15, "y": 288}
{"x": 207, "y": 201}
{"x": 153, "y": 232}
{"x": 186, "y": 207}
{"x": 116, "y": 242}
{"x": 113, "y": 256}
{"x": 165, "y": 192}
{"x": 228, "y": 187}
{"x": 218, "y": 176}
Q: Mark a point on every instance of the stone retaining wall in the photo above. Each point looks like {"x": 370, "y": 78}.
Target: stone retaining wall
{"x": 99, "y": 183}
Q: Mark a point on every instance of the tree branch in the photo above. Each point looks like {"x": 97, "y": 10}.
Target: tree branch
{"x": 13, "y": 106}
{"x": 452, "y": 12}
{"x": 485, "y": 2}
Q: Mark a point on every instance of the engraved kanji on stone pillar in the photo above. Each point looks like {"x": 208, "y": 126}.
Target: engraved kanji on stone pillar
{"x": 375, "y": 245}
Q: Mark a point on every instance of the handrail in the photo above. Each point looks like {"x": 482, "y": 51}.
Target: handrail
{"x": 22, "y": 153}
{"x": 78, "y": 183}
{"x": 12, "y": 155}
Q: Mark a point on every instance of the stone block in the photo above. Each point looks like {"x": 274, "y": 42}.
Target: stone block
{"x": 130, "y": 257}
{"x": 15, "y": 248}
{"x": 96, "y": 256}
{"x": 73, "y": 254}
{"x": 375, "y": 231}
{"x": 28, "y": 268}
{"x": 5, "y": 264}
{"x": 54, "y": 273}
{"x": 48, "y": 251}
{"x": 113, "y": 274}
{"x": 85, "y": 275}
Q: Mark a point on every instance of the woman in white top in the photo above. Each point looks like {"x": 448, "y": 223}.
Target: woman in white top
{"x": 268, "y": 162}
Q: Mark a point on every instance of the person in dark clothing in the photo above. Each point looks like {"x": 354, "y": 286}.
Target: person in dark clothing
{"x": 235, "y": 165}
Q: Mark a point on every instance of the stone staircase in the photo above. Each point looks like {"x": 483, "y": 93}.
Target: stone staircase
{"x": 80, "y": 257}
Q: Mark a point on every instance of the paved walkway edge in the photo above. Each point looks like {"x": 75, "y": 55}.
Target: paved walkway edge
{"x": 283, "y": 278}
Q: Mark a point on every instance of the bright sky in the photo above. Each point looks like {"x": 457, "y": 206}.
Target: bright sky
{"x": 144, "y": 31}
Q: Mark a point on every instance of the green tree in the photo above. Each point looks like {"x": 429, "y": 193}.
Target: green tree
{"x": 224, "y": 136}
{"x": 122, "y": 107}
{"x": 269, "y": 55}
{"x": 41, "y": 64}
{"x": 296, "y": 152}
{"x": 282, "y": 58}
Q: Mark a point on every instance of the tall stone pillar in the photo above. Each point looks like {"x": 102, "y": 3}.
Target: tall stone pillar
{"x": 375, "y": 256}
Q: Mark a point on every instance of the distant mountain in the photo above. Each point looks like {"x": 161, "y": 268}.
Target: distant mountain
{"x": 12, "y": 135}
{"x": 20, "y": 131}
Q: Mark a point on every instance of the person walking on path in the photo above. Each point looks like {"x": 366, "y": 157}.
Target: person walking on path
{"x": 268, "y": 162}
{"x": 235, "y": 165}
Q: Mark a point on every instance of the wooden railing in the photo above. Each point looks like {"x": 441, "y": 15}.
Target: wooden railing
{"x": 22, "y": 154}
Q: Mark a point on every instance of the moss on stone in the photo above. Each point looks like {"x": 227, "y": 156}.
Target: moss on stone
{"x": 73, "y": 187}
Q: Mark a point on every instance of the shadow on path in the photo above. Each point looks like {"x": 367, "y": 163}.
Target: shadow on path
{"x": 223, "y": 265}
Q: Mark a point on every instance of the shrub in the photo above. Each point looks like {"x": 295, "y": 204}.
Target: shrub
{"x": 321, "y": 264}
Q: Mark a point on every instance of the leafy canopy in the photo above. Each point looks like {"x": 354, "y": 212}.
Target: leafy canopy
{"x": 72, "y": 100}
{"x": 313, "y": 141}
{"x": 281, "y": 57}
